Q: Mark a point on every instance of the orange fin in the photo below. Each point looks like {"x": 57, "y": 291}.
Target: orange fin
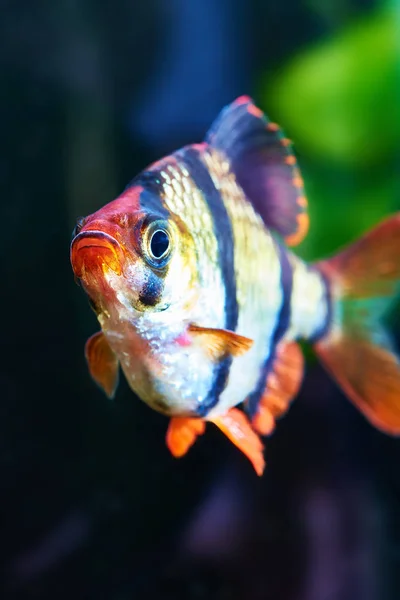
{"x": 235, "y": 425}
{"x": 282, "y": 385}
{"x": 358, "y": 349}
{"x": 219, "y": 343}
{"x": 264, "y": 164}
{"x": 182, "y": 433}
{"x": 369, "y": 375}
{"x": 102, "y": 362}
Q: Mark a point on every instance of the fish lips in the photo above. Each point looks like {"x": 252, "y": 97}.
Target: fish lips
{"x": 93, "y": 249}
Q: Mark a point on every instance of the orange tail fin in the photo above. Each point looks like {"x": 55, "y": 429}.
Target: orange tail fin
{"x": 358, "y": 349}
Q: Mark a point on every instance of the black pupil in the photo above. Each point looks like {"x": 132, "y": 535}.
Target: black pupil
{"x": 159, "y": 243}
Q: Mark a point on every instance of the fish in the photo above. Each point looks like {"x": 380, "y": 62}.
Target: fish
{"x": 203, "y": 303}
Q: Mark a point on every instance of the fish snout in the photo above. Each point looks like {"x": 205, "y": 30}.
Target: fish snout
{"x": 91, "y": 249}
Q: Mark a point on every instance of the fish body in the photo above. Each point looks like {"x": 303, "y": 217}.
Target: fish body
{"x": 199, "y": 299}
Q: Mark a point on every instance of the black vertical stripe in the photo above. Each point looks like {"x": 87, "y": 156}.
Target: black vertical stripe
{"x": 281, "y": 326}
{"x": 151, "y": 197}
{"x": 224, "y": 235}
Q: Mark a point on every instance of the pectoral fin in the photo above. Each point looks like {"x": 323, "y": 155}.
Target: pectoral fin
{"x": 102, "y": 363}
{"x": 220, "y": 343}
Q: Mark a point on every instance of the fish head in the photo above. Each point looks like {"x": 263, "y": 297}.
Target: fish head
{"x": 134, "y": 256}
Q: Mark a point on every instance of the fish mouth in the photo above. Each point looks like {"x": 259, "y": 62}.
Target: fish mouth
{"x": 92, "y": 249}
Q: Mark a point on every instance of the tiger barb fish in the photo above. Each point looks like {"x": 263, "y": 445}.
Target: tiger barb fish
{"x": 201, "y": 303}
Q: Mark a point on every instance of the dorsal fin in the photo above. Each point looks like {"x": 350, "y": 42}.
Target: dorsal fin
{"x": 265, "y": 167}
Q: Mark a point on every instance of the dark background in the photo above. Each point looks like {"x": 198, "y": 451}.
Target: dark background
{"x": 92, "y": 505}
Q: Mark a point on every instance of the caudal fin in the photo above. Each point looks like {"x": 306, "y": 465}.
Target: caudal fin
{"x": 358, "y": 349}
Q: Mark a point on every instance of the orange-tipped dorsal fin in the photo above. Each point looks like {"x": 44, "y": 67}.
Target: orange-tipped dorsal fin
{"x": 220, "y": 343}
{"x": 263, "y": 161}
{"x": 102, "y": 363}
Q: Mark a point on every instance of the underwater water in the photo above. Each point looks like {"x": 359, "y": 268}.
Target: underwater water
{"x": 92, "y": 504}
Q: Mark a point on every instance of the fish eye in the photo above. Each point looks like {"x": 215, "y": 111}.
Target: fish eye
{"x": 159, "y": 244}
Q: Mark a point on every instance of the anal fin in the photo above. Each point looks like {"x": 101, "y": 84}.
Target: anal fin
{"x": 281, "y": 387}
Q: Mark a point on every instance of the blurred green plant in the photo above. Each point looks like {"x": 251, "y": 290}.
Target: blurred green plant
{"x": 339, "y": 101}
{"x": 341, "y": 97}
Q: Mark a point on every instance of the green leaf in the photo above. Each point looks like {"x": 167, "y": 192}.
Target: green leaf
{"x": 340, "y": 100}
